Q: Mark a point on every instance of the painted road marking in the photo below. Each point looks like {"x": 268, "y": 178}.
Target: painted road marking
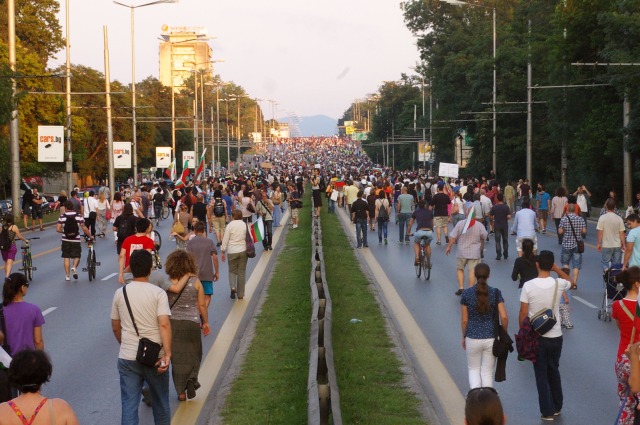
{"x": 49, "y": 310}
{"x": 587, "y": 303}
{"x": 35, "y": 256}
{"x": 110, "y": 276}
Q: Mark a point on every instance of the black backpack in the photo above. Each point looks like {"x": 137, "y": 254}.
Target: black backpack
{"x": 126, "y": 228}
{"x": 218, "y": 207}
{"x": 382, "y": 211}
{"x": 71, "y": 229}
{"x": 322, "y": 185}
{"x": 5, "y": 240}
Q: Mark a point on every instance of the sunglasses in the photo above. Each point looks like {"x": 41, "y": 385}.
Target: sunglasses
{"x": 480, "y": 389}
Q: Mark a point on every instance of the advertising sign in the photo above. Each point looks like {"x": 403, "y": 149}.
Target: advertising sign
{"x": 189, "y": 156}
{"x": 163, "y": 157}
{"x": 448, "y": 170}
{"x": 423, "y": 151}
{"x": 50, "y": 143}
{"x": 121, "y": 154}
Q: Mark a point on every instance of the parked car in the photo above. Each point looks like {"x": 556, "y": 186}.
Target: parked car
{"x": 53, "y": 205}
{"x": 5, "y": 206}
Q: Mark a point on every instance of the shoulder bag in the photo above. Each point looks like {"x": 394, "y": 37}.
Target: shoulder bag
{"x": 545, "y": 319}
{"x": 251, "y": 248}
{"x": 177, "y": 226}
{"x": 579, "y": 242}
{"x": 148, "y": 351}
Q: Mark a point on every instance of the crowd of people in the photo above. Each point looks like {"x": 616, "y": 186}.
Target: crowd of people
{"x": 214, "y": 219}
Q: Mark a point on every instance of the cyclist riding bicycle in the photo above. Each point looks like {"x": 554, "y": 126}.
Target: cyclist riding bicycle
{"x": 423, "y": 216}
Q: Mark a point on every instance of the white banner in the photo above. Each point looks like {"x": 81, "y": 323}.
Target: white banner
{"x": 448, "y": 170}
{"x": 163, "y": 157}
{"x": 189, "y": 156}
{"x": 50, "y": 143}
{"x": 121, "y": 154}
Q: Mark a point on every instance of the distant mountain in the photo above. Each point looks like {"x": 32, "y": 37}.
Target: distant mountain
{"x": 316, "y": 125}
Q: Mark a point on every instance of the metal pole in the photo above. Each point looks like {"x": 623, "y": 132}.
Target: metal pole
{"x": 107, "y": 82}
{"x": 195, "y": 113}
{"x": 495, "y": 170}
{"x": 218, "y": 120}
{"x": 238, "y": 158}
{"x": 202, "y": 109}
{"x": 133, "y": 100}
{"x": 529, "y": 112}
{"x": 430, "y": 123}
{"x": 13, "y": 127}
{"x": 213, "y": 149}
{"x": 69, "y": 164}
{"x": 626, "y": 156}
{"x": 173, "y": 109}
{"x": 424, "y": 158}
{"x": 228, "y": 141}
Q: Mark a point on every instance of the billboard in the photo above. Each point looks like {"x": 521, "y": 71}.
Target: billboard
{"x": 121, "y": 154}
{"x": 50, "y": 143}
{"x": 163, "y": 157}
{"x": 424, "y": 150}
{"x": 189, "y": 156}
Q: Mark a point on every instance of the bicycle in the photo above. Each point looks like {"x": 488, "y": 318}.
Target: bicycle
{"x": 424, "y": 264}
{"x": 157, "y": 239}
{"x": 91, "y": 259}
{"x": 27, "y": 260}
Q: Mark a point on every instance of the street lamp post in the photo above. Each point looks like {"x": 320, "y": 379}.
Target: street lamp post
{"x": 464, "y": 3}
{"x": 133, "y": 81}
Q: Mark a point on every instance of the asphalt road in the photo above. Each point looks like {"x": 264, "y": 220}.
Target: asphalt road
{"x": 589, "y": 350}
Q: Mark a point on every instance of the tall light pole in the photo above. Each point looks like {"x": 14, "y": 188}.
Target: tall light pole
{"x": 464, "y": 3}
{"x": 13, "y": 127}
{"x": 134, "y": 135}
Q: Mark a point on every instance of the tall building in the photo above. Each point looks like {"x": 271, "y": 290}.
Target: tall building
{"x": 183, "y": 49}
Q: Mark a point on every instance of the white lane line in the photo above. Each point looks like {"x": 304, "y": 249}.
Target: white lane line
{"x": 49, "y": 310}
{"x": 110, "y": 276}
{"x": 587, "y": 303}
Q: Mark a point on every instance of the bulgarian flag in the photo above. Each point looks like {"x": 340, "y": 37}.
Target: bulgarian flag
{"x": 171, "y": 171}
{"x": 200, "y": 169}
{"x": 470, "y": 221}
{"x": 257, "y": 230}
{"x": 183, "y": 177}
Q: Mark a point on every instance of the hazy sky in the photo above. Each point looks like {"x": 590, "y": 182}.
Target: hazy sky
{"x": 312, "y": 57}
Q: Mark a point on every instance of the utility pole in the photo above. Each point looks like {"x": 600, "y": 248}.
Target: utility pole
{"x": 529, "y": 111}
{"x": 69, "y": 163}
{"x": 13, "y": 127}
{"x": 107, "y": 81}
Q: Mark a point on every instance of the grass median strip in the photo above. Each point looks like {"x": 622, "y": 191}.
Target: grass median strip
{"x": 370, "y": 380}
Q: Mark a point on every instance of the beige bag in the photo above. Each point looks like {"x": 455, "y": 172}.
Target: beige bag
{"x": 177, "y": 226}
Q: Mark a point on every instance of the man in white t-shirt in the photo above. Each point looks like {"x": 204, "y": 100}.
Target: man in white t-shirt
{"x": 611, "y": 236}
{"x": 151, "y": 312}
{"x": 538, "y": 294}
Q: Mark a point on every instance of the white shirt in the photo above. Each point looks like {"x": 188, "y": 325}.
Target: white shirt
{"x": 234, "y": 239}
{"x": 538, "y": 293}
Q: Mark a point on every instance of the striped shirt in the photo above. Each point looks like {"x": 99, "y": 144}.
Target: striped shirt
{"x": 63, "y": 218}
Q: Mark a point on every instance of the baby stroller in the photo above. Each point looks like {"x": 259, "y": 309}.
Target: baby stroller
{"x": 613, "y": 291}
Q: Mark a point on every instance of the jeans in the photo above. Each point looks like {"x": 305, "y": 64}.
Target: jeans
{"x": 571, "y": 257}
{"x": 502, "y": 234}
{"x": 611, "y": 256}
{"x": 237, "y": 271}
{"x": 361, "y": 232}
{"x": 332, "y": 206}
{"x": 403, "y": 218}
{"x": 277, "y": 215}
{"x": 382, "y": 228}
{"x": 546, "y": 369}
{"x": 480, "y": 361}
{"x": 268, "y": 233}
{"x": 132, "y": 376}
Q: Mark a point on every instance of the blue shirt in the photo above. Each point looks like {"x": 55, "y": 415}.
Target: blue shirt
{"x": 543, "y": 201}
{"x": 524, "y": 223}
{"x": 405, "y": 201}
{"x": 633, "y": 236}
{"x": 480, "y": 325}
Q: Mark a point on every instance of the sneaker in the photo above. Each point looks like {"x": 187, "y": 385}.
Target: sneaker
{"x": 406, "y": 242}
{"x": 544, "y": 231}
{"x": 385, "y": 241}
{"x": 400, "y": 242}
{"x": 557, "y": 413}
{"x": 547, "y": 418}
{"x": 233, "y": 294}
{"x": 365, "y": 246}
{"x": 67, "y": 278}
{"x": 446, "y": 239}
{"x": 75, "y": 273}
{"x": 569, "y": 326}
{"x": 438, "y": 243}
{"x": 459, "y": 292}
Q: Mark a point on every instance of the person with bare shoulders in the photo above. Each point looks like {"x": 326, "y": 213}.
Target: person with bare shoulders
{"x": 28, "y": 371}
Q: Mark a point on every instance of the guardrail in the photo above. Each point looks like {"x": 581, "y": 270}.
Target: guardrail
{"x": 323, "y": 397}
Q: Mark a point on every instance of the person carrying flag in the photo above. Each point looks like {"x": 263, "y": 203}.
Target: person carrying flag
{"x": 470, "y": 238}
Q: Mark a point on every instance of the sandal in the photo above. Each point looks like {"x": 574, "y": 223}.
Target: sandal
{"x": 182, "y": 397}
{"x": 416, "y": 262}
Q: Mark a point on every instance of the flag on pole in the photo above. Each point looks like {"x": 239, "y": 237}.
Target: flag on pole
{"x": 257, "y": 230}
{"x": 171, "y": 171}
{"x": 200, "y": 169}
{"x": 183, "y": 177}
{"x": 470, "y": 221}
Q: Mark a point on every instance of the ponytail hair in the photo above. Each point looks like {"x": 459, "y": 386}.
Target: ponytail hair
{"x": 629, "y": 277}
{"x": 12, "y": 286}
{"x": 481, "y": 271}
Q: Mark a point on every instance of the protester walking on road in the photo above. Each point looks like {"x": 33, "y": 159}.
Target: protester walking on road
{"x": 440, "y": 203}
{"x": 543, "y": 200}
{"x": 29, "y": 370}
{"x": 206, "y": 256}
{"x": 470, "y": 236}
{"x": 611, "y": 236}
{"x": 500, "y": 214}
{"x": 525, "y": 226}
{"x": 234, "y": 244}
{"x": 558, "y": 203}
{"x": 537, "y": 294}
{"x": 13, "y": 233}
{"x": 573, "y": 229}
{"x": 404, "y": 210}
{"x": 264, "y": 208}
{"x": 382, "y": 214}
{"x": 360, "y": 217}
{"x": 102, "y": 208}
{"x": 70, "y": 225}
{"x": 632, "y": 251}
{"x": 524, "y": 268}
{"x": 23, "y": 320}
{"x": 479, "y": 305}
{"x": 188, "y": 315}
{"x": 141, "y": 310}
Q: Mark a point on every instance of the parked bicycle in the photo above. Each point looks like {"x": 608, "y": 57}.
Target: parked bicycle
{"x": 27, "y": 260}
{"x": 424, "y": 265}
{"x": 91, "y": 259}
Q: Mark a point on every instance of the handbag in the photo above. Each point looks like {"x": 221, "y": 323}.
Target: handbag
{"x": 545, "y": 319}
{"x": 177, "y": 226}
{"x": 579, "y": 242}
{"x": 251, "y": 248}
{"x": 148, "y": 351}
{"x": 251, "y": 208}
{"x": 107, "y": 214}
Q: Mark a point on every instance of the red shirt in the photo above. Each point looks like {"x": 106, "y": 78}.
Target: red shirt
{"x": 134, "y": 242}
{"x": 625, "y": 323}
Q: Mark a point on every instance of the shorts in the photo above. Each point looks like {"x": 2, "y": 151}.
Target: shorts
{"x": 440, "y": 221}
{"x": 207, "y": 285}
{"x": 218, "y": 223}
{"x": 571, "y": 257}
{"x": 71, "y": 249}
{"x": 36, "y": 213}
{"x": 9, "y": 254}
{"x": 27, "y": 211}
{"x": 294, "y": 212}
{"x": 470, "y": 262}
{"x": 543, "y": 214}
{"x": 418, "y": 234}
{"x": 519, "y": 242}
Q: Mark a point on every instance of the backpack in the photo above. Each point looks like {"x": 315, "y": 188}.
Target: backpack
{"x": 126, "y": 228}
{"x": 322, "y": 185}
{"x": 218, "y": 207}
{"x": 382, "y": 211}
{"x": 71, "y": 229}
{"x": 158, "y": 198}
{"x": 5, "y": 240}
